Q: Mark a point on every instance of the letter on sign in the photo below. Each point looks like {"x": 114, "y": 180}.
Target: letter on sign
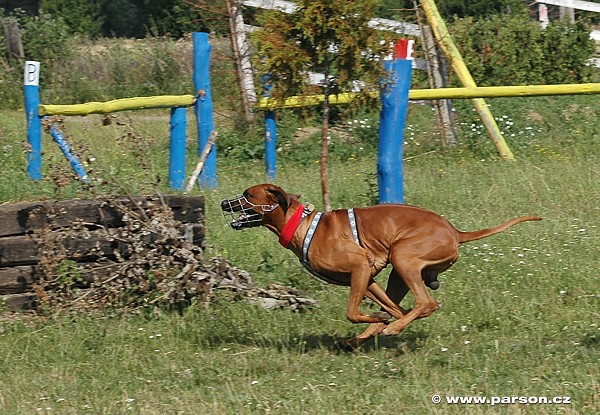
{"x": 32, "y": 73}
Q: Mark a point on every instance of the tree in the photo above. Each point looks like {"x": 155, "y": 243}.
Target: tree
{"x": 124, "y": 18}
{"x": 330, "y": 37}
{"x": 82, "y": 16}
{"x": 481, "y": 8}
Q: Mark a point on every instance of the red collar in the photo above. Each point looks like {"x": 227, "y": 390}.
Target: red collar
{"x": 290, "y": 227}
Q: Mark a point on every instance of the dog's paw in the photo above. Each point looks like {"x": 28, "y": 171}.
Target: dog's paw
{"x": 347, "y": 346}
{"x": 382, "y": 315}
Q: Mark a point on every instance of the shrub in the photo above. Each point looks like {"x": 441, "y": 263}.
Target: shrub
{"x": 515, "y": 50}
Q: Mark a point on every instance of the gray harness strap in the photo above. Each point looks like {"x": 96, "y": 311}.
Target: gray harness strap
{"x": 309, "y": 236}
{"x": 308, "y": 239}
{"x": 352, "y": 220}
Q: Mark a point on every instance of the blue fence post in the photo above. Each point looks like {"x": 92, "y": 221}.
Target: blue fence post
{"x": 392, "y": 122}
{"x": 34, "y": 125}
{"x": 270, "y": 132}
{"x": 177, "y": 148}
{"x": 65, "y": 147}
{"x": 204, "y": 107}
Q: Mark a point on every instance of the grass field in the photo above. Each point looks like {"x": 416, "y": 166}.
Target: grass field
{"x": 520, "y": 309}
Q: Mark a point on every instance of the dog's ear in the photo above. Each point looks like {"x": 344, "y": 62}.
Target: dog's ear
{"x": 283, "y": 198}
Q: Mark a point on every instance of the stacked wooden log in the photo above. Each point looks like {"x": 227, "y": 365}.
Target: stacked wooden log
{"x": 86, "y": 230}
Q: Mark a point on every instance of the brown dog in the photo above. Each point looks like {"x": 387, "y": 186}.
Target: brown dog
{"x": 350, "y": 247}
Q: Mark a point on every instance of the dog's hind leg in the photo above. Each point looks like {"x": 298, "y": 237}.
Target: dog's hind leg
{"x": 425, "y": 305}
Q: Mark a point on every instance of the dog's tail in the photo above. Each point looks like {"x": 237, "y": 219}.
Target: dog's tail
{"x": 473, "y": 236}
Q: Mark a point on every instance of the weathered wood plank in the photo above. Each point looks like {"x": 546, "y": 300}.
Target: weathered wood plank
{"x": 17, "y": 302}
{"x": 26, "y": 249}
{"x": 93, "y": 249}
{"x": 16, "y": 279}
{"x": 21, "y": 218}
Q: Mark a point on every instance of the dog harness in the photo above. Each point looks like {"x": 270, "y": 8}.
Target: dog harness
{"x": 308, "y": 239}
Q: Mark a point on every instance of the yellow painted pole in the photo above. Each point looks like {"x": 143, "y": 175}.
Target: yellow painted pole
{"x": 124, "y": 104}
{"x": 505, "y": 91}
{"x": 440, "y": 31}
{"x": 444, "y": 93}
{"x": 268, "y": 104}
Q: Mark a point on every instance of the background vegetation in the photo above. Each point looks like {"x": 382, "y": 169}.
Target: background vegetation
{"x": 76, "y": 68}
{"x": 520, "y": 310}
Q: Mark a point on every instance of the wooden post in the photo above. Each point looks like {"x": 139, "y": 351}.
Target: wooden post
{"x": 31, "y": 78}
{"x": 567, "y": 13}
{"x": 392, "y": 122}
{"x": 438, "y": 26}
{"x": 12, "y": 38}
{"x": 241, "y": 53}
{"x": 543, "y": 15}
{"x": 67, "y": 151}
{"x": 201, "y": 160}
{"x": 438, "y": 80}
{"x": 177, "y": 151}
{"x": 204, "y": 106}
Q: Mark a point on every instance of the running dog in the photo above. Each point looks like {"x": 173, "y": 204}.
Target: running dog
{"x": 350, "y": 247}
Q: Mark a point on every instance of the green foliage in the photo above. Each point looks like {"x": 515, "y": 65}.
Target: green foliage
{"x": 515, "y": 50}
{"x": 123, "y": 19}
{"x": 567, "y": 49}
{"x": 177, "y": 17}
{"x": 45, "y": 37}
{"x": 83, "y": 17}
{"x": 519, "y": 317}
{"x": 327, "y": 37}
{"x": 451, "y": 9}
{"x": 480, "y": 8}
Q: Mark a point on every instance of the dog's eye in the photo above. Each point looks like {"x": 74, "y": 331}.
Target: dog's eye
{"x": 247, "y": 195}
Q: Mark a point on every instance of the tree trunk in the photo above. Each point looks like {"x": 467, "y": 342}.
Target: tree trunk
{"x": 443, "y": 106}
{"x": 241, "y": 53}
{"x": 12, "y": 38}
{"x": 325, "y": 147}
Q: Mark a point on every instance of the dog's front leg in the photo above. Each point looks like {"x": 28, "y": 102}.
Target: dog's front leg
{"x": 354, "y": 343}
{"x": 395, "y": 292}
{"x": 359, "y": 283}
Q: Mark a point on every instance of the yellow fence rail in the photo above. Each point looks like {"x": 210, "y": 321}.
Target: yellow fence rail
{"x": 124, "y": 104}
{"x": 442, "y": 93}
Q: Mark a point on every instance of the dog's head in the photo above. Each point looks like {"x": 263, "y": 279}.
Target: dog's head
{"x": 262, "y": 204}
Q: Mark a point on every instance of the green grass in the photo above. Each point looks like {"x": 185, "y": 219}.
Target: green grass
{"x": 520, "y": 309}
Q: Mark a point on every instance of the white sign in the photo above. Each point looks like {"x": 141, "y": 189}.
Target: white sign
{"x": 31, "y": 75}
{"x": 410, "y": 49}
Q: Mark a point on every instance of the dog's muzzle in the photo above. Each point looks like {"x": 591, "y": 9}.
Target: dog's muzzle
{"x": 243, "y": 213}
